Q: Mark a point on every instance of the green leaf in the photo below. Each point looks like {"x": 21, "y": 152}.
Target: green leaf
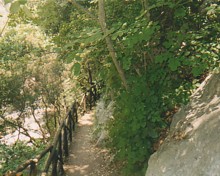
{"x": 76, "y": 69}
{"x": 94, "y": 38}
{"x": 120, "y": 33}
{"x": 148, "y": 33}
{"x": 108, "y": 32}
{"x": 163, "y": 57}
{"x": 180, "y": 12}
{"x": 174, "y": 63}
{"x": 126, "y": 63}
{"x": 72, "y": 56}
{"x": 114, "y": 36}
{"x": 27, "y": 12}
{"x": 69, "y": 59}
{"x": 196, "y": 71}
{"x": 57, "y": 50}
{"x": 15, "y": 7}
{"x": 22, "y": 2}
{"x": 167, "y": 44}
{"x": 8, "y": 1}
{"x": 117, "y": 34}
{"x": 152, "y": 133}
{"x": 187, "y": 53}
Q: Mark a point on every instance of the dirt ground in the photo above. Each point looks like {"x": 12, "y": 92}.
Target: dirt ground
{"x": 85, "y": 158}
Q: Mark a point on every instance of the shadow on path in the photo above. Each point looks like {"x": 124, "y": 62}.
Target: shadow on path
{"x": 85, "y": 159}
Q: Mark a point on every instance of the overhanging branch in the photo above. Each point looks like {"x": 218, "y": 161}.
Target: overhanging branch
{"x": 109, "y": 43}
{"x": 81, "y": 8}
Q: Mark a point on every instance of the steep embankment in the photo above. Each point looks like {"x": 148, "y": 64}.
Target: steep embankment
{"x": 192, "y": 146}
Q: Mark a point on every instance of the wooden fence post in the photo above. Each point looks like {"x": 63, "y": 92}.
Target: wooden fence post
{"x": 70, "y": 128}
{"x": 84, "y": 103}
{"x": 76, "y": 114}
{"x": 58, "y": 148}
{"x": 33, "y": 169}
{"x": 65, "y": 141}
{"x": 54, "y": 163}
{"x": 60, "y": 157}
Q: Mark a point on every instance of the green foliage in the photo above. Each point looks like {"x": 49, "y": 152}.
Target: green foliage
{"x": 19, "y": 7}
{"x": 13, "y": 156}
{"x": 76, "y": 69}
{"x": 161, "y": 62}
{"x": 7, "y": 1}
{"x": 31, "y": 78}
{"x": 53, "y": 16}
{"x": 164, "y": 47}
{"x": 15, "y": 7}
{"x": 136, "y": 135}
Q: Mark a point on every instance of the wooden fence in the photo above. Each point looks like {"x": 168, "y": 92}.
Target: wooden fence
{"x": 58, "y": 149}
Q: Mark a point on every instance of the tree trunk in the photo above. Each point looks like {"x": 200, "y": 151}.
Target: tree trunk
{"x": 107, "y": 38}
{"x": 109, "y": 42}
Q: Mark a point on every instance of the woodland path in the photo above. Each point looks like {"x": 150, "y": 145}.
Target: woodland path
{"x": 85, "y": 158}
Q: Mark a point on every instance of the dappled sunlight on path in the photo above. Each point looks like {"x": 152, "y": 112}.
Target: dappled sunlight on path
{"x": 86, "y": 120}
{"x": 85, "y": 159}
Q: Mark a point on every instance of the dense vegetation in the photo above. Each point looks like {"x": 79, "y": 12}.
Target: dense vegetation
{"x": 149, "y": 55}
{"x": 31, "y": 80}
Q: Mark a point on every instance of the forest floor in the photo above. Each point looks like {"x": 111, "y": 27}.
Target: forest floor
{"x": 86, "y": 159}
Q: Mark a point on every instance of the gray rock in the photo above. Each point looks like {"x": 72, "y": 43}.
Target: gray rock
{"x": 192, "y": 147}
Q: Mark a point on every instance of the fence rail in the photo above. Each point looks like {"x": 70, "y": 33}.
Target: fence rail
{"x": 58, "y": 149}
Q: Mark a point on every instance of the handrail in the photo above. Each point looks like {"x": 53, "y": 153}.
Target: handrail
{"x": 57, "y": 148}
{"x": 31, "y": 161}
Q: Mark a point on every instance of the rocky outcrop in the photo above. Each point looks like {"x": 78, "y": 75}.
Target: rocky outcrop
{"x": 192, "y": 147}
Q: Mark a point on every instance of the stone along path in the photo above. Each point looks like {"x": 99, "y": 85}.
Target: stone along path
{"x": 85, "y": 158}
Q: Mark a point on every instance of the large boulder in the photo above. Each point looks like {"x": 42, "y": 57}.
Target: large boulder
{"x": 192, "y": 147}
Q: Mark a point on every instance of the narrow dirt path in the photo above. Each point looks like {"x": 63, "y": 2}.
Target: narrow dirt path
{"x": 85, "y": 158}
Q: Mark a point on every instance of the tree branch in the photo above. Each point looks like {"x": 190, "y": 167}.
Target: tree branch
{"x": 109, "y": 43}
{"x": 81, "y": 8}
{"x": 101, "y": 21}
{"x": 1, "y": 33}
{"x": 19, "y": 126}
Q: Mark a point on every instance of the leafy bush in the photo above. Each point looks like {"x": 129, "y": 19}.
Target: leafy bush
{"x": 163, "y": 48}
{"x": 13, "y": 156}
